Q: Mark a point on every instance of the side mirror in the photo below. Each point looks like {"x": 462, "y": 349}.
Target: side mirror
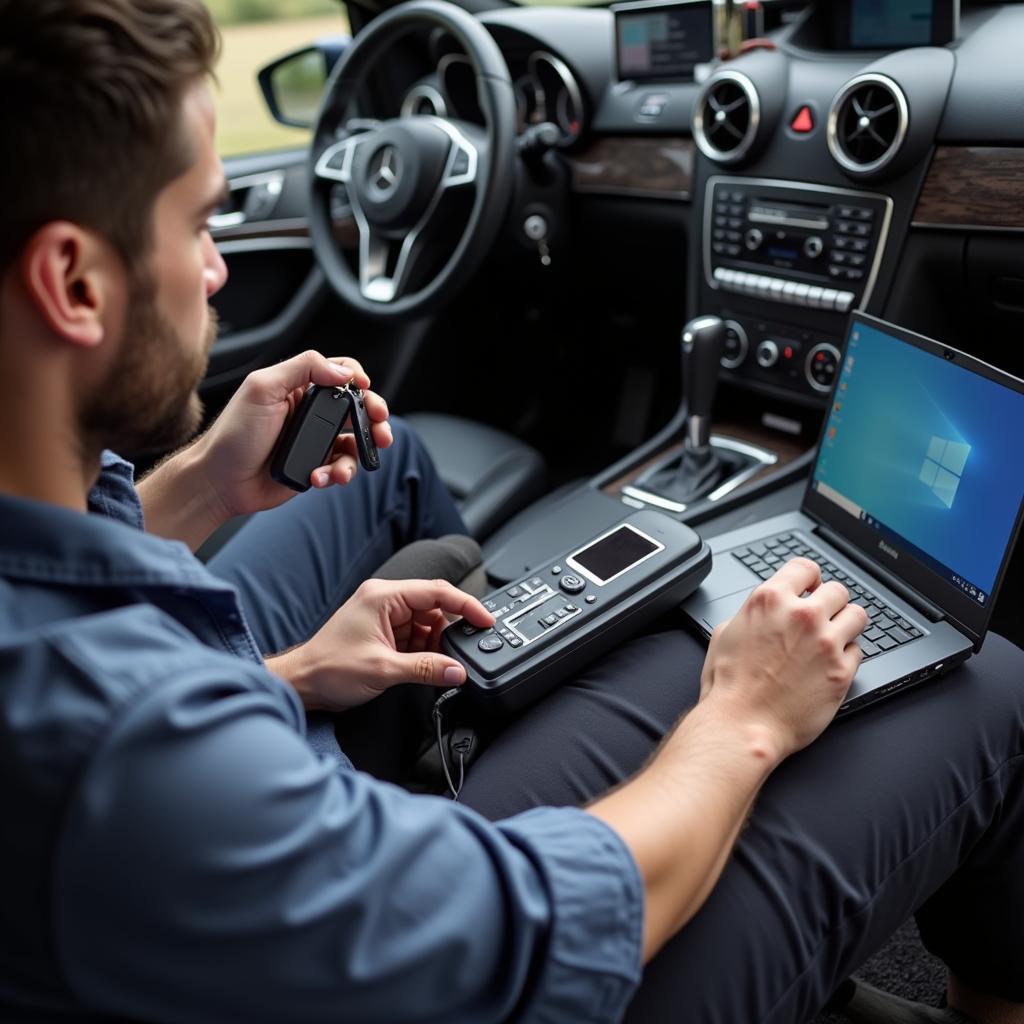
{"x": 293, "y": 85}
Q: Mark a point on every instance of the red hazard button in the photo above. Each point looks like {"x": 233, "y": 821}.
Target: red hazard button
{"x": 804, "y": 120}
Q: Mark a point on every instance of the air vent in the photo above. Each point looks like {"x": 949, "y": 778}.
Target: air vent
{"x": 867, "y": 124}
{"x": 726, "y": 118}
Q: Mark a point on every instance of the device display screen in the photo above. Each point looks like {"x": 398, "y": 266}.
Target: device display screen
{"x": 614, "y": 553}
{"x": 664, "y": 41}
{"x": 926, "y": 455}
{"x": 894, "y": 24}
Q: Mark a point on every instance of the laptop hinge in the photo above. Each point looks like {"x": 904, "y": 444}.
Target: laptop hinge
{"x": 896, "y": 585}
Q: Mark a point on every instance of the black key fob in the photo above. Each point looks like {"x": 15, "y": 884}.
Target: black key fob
{"x": 309, "y": 436}
{"x": 369, "y": 457}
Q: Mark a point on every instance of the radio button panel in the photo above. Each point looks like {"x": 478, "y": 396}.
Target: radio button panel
{"x": 799, "y": 244}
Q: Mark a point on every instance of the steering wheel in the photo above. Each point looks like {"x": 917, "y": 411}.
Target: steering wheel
{"x": 404, "y": 176}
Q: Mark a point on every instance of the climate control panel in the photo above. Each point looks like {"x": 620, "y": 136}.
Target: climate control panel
{"x": 777, "y": 355}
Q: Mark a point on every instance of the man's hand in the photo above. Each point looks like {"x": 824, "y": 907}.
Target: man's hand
{"x": 235, "y": 452}
{"x": 226, "y": 472}
{"x": 785, "y": 662}
{"x": 388, "y": 632}
{"x": 773, "y": 679}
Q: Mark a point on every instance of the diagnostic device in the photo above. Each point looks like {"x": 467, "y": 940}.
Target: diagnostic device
{"x": 576, "y": 607}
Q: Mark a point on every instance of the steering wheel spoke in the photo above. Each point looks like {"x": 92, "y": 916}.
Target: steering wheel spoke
{"x": 468, "y": 147}
{"x": 381, "y": 266}
{"x": 335, "y": 162}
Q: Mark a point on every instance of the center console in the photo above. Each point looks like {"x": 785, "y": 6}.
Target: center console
{"x": 784, "y": 263}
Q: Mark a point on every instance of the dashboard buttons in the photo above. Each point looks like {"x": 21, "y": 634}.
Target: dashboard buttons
{"x": 571, "y": 583}
{"x": 821, "y": 366}
{"x": 803, "y": 122}
{"x": 736, "y": 345}
{"x": 753, "y": 239}
{"x": 767, "y": 354}
{"x": 813, "y": 247}
{"x": 491, "y": 643}
{"x": 794, "y": 293}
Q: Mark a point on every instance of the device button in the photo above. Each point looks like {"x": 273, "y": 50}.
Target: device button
{"x": 549, "y": 620}
{"x": 814, "y": 297}
{"x": 571, "y": 583}
{"x": 828, "y": 298}
{"x": 490, "y": 643}
{"x": 514, "y": 592}
{"x": 555, "y": 570}
{"x": 514, "y": 641}
{"x": 536, "y": 582}
{"x": 468, "y": 630}
{"x": 813, "y": 247}
{"x": 590, "y": 598}
{"x": 570, "y": 607}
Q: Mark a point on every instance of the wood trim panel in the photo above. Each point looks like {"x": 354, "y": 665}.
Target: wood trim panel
{"x": 973, "y": 186}
{"x": 655, "y": 168}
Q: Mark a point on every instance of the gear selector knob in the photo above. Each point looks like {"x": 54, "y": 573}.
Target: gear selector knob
{"x": 703, "y": 345}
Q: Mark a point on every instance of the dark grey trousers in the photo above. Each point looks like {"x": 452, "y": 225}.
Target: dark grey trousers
{"x": 914, "y": 805}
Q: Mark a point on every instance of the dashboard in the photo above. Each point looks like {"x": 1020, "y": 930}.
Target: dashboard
{"x": 816, "y": 172}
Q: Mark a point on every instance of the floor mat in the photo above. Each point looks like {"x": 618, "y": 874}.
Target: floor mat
{"x": 902, "y": 967}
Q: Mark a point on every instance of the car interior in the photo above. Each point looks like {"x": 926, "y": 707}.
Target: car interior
{"x": 527, "y": 222}
{"x": 775, "y": 165}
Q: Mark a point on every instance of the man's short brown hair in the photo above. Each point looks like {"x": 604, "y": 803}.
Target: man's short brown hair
{"x": 91, "y": 129}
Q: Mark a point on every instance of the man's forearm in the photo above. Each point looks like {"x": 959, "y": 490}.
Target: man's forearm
{"x": 177, "y": 501}
{"x": 680, "y": 816}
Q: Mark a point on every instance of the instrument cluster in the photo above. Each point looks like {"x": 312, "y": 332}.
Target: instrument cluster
{"x": 545, "y": 90}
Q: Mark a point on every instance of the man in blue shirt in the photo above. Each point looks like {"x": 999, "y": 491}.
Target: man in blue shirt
{"x": 173, "y": 848}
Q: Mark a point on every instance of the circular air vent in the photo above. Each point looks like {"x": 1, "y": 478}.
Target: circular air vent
{"x": 726, "y": 117}
{"x": 867, "y": 124}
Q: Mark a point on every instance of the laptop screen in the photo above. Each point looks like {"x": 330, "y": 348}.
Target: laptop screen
{"x": 925, "y": 453}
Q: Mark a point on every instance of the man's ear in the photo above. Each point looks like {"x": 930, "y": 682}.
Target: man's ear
{"x": 69, "y": 275}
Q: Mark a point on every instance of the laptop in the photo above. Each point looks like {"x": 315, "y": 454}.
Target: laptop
{"x": 914, "y": 504}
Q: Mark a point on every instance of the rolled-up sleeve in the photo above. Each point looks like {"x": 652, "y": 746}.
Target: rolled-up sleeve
{"x": 212, "y": 868}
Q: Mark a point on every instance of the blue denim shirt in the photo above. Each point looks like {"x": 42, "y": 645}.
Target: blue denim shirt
{"x": 174, "y": 851}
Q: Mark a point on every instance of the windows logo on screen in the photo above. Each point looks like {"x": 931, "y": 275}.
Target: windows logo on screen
{"x": 943, "y": 468}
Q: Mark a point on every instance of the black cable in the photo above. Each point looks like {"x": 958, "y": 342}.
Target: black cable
{"x": 436, "y": 715}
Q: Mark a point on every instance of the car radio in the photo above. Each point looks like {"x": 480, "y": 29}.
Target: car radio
{"x": 799, "y": 245}
{"x": 576, "y": 607}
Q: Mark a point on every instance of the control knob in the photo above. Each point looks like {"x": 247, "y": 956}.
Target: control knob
{"x": 821, "y": 367}
{"x": 753, "y": 239}
{"x": 767, "y": 354}
{"x": 736, "y": 345}
{"x": 813, "y": 247}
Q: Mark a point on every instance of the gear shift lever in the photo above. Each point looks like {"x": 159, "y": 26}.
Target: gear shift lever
{"x": 699, "y": 468}
{"x": 703, "y": 343}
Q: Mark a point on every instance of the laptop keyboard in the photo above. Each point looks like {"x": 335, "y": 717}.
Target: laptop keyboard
{"x": 887, "y": 629}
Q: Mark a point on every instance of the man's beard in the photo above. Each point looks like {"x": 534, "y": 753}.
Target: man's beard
{"x": 148, "y": 402}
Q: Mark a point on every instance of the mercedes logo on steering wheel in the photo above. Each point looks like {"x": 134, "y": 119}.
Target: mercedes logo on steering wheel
{"x": 385, "y": 170}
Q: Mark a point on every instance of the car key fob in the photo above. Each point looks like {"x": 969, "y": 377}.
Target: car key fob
{"x": 309, "y": 435}
{"x": 369, "y": 457}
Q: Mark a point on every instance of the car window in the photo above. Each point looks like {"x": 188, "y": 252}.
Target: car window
{"x": 254, "y": 33}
